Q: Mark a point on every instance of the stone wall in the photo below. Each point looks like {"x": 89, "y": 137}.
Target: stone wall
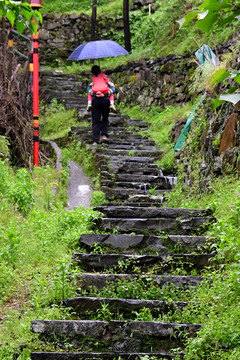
{"x": 159, "y": 82}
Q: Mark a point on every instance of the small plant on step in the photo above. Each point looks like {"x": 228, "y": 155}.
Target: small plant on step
{"x": 152, "y": 191}
{"x": 97, "y": 249}
{"x": 63, "y": 285}
{"x": 143, "y": 314}
{"x": 131, "y": 153}
{"x": 98, "y": 198}
{"x": 104, "y": 313}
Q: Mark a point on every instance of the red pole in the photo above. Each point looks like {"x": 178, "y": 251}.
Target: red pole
{"x": 36, "y": 5}
{"x": 35, "y": 100}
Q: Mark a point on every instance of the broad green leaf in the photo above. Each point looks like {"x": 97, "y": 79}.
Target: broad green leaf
{"x": 219, "y": 76}
{"x": 207, "y": 23}
{"x": 11, "y": 16}
{"x": 39, "y": 16}
{"x": 210, "y": 5}
{"x": 187, "y": 19}
{"x": 226, "y": 20}
{"x": 27, "y": 14}
{"x": 217, "y": 103}
{"x": 20, "y": 25}
{"x": 232, "y": 89}
{"x": 232, "y": 98}
{"x": 230, "y": 18}
{"x": 33, "y": 27}
{"x": 237, "y": 79}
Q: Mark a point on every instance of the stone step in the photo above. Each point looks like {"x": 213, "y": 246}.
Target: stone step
{"x": 137, "y": 123}
{"x": 102, "y": 356}
{"x": 124, "y": 306}
{"x": 150, "y": 179}
{"x": 187, "y": 226}
{"x": 133, "y": 336}
{"x": 132, "y": 147}
{"x": 135, "y": 185}
{"x": 138, "y": 212}
{"x": 140, "y": 241}
{"x": 119, "y": 193}
{"x": 119, "y": 131}
{"x": 144, "y": 169}
{"x": 135, "y": 153}
{"x": 87, "y": 280}
{"x": 115, "y": 137}
{"x": 139, "y": 202}
{"x": 125, "y": 159}
{"x": 161, "y": 262}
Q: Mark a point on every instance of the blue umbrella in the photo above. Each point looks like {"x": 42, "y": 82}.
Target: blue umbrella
{"x": 97, "y": 49}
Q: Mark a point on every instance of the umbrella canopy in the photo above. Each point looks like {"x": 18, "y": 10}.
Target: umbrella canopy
{"x": 97, "y": 49}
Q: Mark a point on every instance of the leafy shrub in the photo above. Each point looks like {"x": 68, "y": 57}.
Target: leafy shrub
{"x": 98, "y": 198}
{"x": 4, "y": 177}
{"x": 21, "y": 191}
{"x": 4, "y": 150}
{"x": 6, "y": 280}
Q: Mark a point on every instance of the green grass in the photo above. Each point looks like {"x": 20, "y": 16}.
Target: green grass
{"x": 57, "y": 122}
{"x": 37, "y": 237}
{"x": 78, "y": 6}
{"x": 160, "y": 122}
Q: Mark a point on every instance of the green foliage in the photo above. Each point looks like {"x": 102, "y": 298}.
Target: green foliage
{"x": 213, "y": 12}
{"x": 35, "y": 254}
{"x": 219, "y": 297}
{"x": 18, "y": 189}
{"x": 160, "y": 121}
{"x": 79, "y": 6}
{"x": 4, "y": 147}
{"x": 21, "y": 192}
{"x": 167, "y": 161}
{"x": 57, "y": 121}
{"x": 142, "y": 289}
{"x": 20, "y": 14}
{"x": 98, "y": 198}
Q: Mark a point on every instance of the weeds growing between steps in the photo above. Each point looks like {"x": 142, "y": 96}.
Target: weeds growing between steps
{"x": 37, "y": 240}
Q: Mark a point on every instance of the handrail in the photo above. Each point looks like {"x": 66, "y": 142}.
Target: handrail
{"x": 14, "y": 32}
{"x": 24, "y": 37}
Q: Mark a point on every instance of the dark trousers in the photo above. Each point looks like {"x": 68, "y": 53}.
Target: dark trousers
{"x": 100, "y": 113}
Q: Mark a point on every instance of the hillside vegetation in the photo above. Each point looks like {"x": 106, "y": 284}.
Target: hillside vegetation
{"x": 37, "y": 234}
{"x": 152, "y": 35}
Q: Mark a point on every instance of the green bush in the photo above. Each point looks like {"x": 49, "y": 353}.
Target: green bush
{"x": 21, "y": 192}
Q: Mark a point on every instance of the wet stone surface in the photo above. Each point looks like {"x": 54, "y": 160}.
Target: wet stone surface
{"x": 137, "y": 231}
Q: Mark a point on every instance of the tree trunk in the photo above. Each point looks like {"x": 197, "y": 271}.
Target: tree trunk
{"x": 127, "y": 35}
{"x": 94, "y": 20}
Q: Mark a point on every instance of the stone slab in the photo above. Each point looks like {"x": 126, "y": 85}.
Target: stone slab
{"x": 107, "y": 356}
{"x": 124, "y": 193}
{"x": 100, "y": 262}
{"x": 98, "y": 328}
{"x": 123, "y": 241}
{"x": 82, "y": 304}
{"x": 135, "y": 185}
{"x": 189, "y": 242}
{"x": 155, "y": 225}
{"x": 101, "y": 280}
{"x": 151, "y": 212}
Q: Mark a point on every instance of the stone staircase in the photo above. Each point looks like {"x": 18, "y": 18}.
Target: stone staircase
{"x": 141, "y": 246}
